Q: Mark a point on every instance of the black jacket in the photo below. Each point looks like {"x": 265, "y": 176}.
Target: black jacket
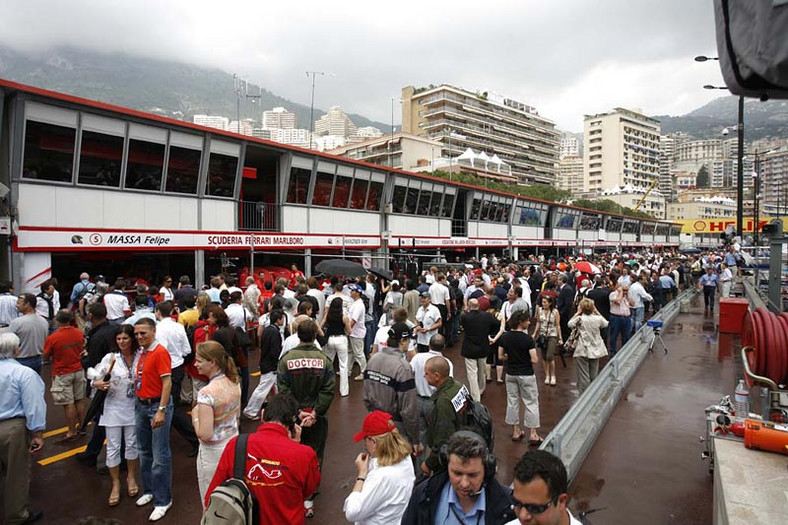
{"x": 424, "y": 502}
{"x": 270, "y": 348}
{"x": 478, "y": 326}
{"x": 565, "y": 302}
{"x": 100, "y": 342}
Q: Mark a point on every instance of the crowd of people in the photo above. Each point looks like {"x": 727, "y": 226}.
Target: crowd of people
{"x": 176, "y": 345}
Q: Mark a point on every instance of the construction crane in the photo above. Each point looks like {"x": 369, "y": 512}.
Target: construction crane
{"x": 648, "y": 190}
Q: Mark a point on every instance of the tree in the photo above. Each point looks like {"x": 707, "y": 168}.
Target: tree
{"x": 702, "y": 179}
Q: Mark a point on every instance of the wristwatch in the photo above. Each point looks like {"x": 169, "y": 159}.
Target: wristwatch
{"x": 162, "y": 408}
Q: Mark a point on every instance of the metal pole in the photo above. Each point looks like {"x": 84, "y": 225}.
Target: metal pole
{"x": 740, "y": 168}
{"x": 311, "y": 109}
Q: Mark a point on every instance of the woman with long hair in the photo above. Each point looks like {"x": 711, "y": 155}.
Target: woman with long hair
{"x": 335, "y": 327}
{"x": 590, "y": 346}
{"x": 118, "y": 415}
{"x": 385, "y": 473}
{"x": 518, "y": 351}
{"x": 202, "y": 332}
{"x": 215, "y": 417}
{"x": 547, "y": 333}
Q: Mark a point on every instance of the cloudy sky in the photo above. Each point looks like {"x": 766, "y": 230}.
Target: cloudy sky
{"x": 567, "y": 58}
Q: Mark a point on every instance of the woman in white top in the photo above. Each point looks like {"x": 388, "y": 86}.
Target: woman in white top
{"x": 215, "y": 417}
{"x": 385, "y": 474}
{"x": 166, "y": 289}
{"x": 118, "y": 415}
{"x": 590, "y": 347}
{"x": 547, "y": 334}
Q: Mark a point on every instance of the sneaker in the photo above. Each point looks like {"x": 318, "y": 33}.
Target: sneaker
{"x": 359, "y": 377}
{"x": 552, "y": 380}
{"x": 144, "y": 499}
{"x": 159, "y": 512}
{"x": 547, "y": 380}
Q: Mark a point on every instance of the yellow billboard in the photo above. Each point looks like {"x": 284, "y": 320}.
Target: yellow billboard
{"x": 717, "y": 226}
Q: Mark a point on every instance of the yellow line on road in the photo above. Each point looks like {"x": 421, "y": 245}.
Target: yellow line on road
{"x": 63, "y": 455}
{"x": 57, "y": 431}
{"x": 255, "y": 374}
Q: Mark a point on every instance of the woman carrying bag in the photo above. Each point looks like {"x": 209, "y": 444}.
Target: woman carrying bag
{"x": 590, "y": 347}
{"x": 548, "y": 335}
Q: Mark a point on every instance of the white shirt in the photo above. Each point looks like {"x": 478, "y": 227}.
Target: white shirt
{"x": 116, "y": 303}
{"x": 427, "y": 317}
{"x": 172, "y": 336}
{"x": 166, "y": 294}
{"x": 417, "y": 364}
{"x": 357, "y": 313}
{"x": 346, "y": 301}
{"x": 291, "y": 341}
{"x": 8, "y": 309}
{"x": 384, "y": 495}
{"x": 639, "y": 294}
{"x": 439, "y": 294}
{"x": 572, "y": 520}
{"x": 382, "y": 336}
{"x": 321, "y": 301}
{"x": 236, "y": 315}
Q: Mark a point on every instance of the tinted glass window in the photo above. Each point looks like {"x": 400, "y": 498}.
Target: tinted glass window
{"x": 506, "y": 209}
{"x": 475, "y": 208}
{"x": 144, "y": 166}
{"x": 435, "y": 204}
{"x": 341, "y": 192}
{"x": 614, "y": 225}
{"x": 183, "y": 170}
{"x": 49, "y": 152}
{"x": 485, "y": 216}
{"x": 221, "y": 175}
{"x": 100, "y": 157}
{"x": 398, "y": 201}
{"x": 375, "y": 192}
{"x": 323, "y": 185}
{"x": 411, "y": 200}
{"x": 424, "y": 203}
{"x": 299, "y": 185}
{"x": 358, "y": 194}
{"x": 448, "y": 202}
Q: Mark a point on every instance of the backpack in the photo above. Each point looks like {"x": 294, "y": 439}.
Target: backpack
{"x": 476, "y": 418}
{"x": 190, "y": 336}
{"x": 232, "y": 502}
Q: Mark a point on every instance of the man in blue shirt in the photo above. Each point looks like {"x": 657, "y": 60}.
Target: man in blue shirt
{"x": 709, "y": 282}
{"x": 22, "y": 423}
{"x": 466, "y": 492}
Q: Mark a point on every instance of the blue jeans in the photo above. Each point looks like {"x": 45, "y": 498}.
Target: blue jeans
{"x": 154, "y": 451}
{"x": 618, "y": 325}
{"x": 637, "y": 318}
{"x": 32, "y": 362}
{"x": 369, "y": 338}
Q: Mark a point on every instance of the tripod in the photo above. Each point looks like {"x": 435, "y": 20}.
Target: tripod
{"x": 656, "y": 327}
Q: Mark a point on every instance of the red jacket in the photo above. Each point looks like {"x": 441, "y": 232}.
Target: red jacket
{"x": 203, "y": 332}
{"x": 280, "y": 473}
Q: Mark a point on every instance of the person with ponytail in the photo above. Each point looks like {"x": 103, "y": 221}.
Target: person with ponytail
{"x": 215, "y": 417}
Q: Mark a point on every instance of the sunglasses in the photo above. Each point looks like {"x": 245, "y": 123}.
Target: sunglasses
{"x": 532, "y": 508}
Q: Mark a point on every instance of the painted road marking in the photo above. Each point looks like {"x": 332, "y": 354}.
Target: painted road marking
{"x": 255, "y": 374}
{"x": 57, "y": 431}
{"x": 63, "y": 455}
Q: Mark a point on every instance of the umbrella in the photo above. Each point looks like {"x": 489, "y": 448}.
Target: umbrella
{"x": 341, "y": 267}
{"x": 587, "y": 267}
{"x": 691, "y": 251}
{"x": 382, "y": 272}
{"x": 97, "y": 403}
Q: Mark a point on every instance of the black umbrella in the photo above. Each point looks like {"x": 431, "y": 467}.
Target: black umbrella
{"x": 97, "y": 403}
{"x": 382, "y": 272}
{"x": 691, "y": 251}
{"x": 341, "y": 267}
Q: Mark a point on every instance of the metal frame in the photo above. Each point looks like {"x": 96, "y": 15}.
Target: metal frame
{"x": 575, "y": 434}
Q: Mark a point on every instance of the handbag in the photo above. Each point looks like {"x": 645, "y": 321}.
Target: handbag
{"x": 571, "y": 344}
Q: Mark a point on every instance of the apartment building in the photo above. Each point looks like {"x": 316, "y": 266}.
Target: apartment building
{"x": 401, "y": 151}
{"x": 570, "y": 174}
{"x": 212, "y": 121}
{"x": 702, "y": 208}
{"x": 621, "y": 150}
{"x": 335, "y": 122}
{"x": 279, "y": 118}
{"x": 484, "y": 122}
{"x": 570, "y": 146}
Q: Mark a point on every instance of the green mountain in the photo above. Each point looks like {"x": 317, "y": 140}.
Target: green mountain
{"x": 164, "y": 87}
{"x": 761, "y": 119}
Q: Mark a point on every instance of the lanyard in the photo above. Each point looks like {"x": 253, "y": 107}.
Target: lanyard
{"x": 140, "y": 367}
{"x": 461, "y": 519}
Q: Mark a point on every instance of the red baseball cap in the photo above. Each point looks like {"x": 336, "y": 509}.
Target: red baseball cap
{"x": 375, "y": 424}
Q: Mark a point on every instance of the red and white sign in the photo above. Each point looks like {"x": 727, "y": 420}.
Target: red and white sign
{"x": 46, "y": 239}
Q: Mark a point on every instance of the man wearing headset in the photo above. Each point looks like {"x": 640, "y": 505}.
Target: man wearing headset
{"x": 465, "y": 491}
{"x": 540, "y": 485}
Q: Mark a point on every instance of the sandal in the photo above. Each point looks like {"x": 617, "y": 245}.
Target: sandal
{"x": 133, "y": 491}
{"x": 66, "y": 439}
{"x": 518, "y": 438}
{"x": 535, "y": 442}
{"x": 114, "y": 500}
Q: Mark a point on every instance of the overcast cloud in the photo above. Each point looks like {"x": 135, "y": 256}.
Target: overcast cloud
{"x": 567, "y": 58}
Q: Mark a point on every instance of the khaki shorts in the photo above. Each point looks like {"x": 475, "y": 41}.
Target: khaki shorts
{"x": 68, "y": 388}
{"x": 548, "y": 353}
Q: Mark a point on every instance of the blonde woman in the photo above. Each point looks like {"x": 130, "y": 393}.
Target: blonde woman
{"x": 215, "y": 417}
{"x": 385, "y": 474}
{"x": 590, "y": 346}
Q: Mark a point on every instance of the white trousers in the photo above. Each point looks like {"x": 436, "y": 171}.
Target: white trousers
{"x": 477, "y": 378}
{"x": 207, "y": 460}
{"x": 258, "y": 397}
{"x": 357, "y": 347}
{"x": 338, "y": 346}
{"x": 114, "y": 436}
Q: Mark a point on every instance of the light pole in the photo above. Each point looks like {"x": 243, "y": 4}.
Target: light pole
{"x": 739, "y": 154}
{"x": 756, "y": 186}
{"x": 312, "y": 103}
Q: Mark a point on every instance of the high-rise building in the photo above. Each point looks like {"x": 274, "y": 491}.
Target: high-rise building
{"x": 212, "y": 121}
{"x": 400, "y": 151}
{"x": 667, "y": 160}
{"x": 294, "y": 137}
{"x": 621, "y": 149}
{"x": 487, "y": 123}
{"x": 570, "y": 174}
{"x": 245, "y": 128}
{"x": 279, "y": 118}
{"x": 335, "y": 122}
{"x": 773, "y": 170}
{"x": 570, "y": 146}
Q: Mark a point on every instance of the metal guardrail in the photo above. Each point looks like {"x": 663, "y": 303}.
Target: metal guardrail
{"x": 575, "y": 434}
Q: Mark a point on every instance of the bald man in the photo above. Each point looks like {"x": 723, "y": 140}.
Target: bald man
{"x": 449, "y": 399}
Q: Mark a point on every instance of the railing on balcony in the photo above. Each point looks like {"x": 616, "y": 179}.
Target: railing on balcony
{"x": 257, "y": 216}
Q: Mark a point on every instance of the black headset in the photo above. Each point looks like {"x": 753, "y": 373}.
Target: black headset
{"x": 488, "y": 460}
